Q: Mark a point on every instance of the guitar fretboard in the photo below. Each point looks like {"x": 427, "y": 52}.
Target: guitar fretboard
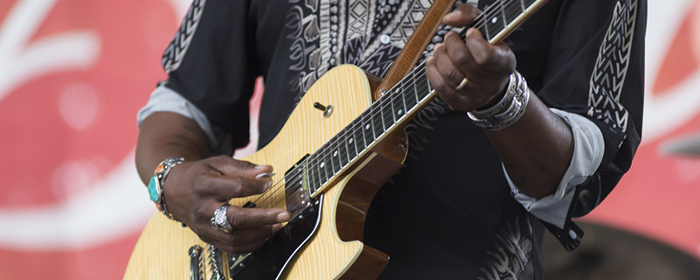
{"x": 503, "y": 16}
{"x": 407, "y": 96}
{"x": 381, "y": 118}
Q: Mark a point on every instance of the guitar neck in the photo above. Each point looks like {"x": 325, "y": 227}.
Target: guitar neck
{"x": 399, "y": 104}
{"x": 503, "y": 17}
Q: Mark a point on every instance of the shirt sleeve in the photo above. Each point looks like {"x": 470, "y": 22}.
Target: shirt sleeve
{"x": 595, "y": 68}
{"x": 587, "y": 155}
{"x": 164, "y": 99}
{"x": 210, "y": 64}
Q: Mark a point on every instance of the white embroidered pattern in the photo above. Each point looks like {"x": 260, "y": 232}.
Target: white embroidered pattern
{"x": 173, "y": 55}
{"x": 610, "y": 69}
{"x": 513, "y": 259}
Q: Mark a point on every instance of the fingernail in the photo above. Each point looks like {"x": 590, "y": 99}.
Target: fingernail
{"x": 268, "y": 185}
{"x": 437, "y": 46}
{"x": 430, "y": 58}
{"x": 453, "y": 14}
{"x": 283, "y": 217}
{"x": 265, "y": 174}
{"x": 470, "y": 31}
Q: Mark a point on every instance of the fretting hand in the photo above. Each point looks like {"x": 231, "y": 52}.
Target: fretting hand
{"x": 485, "y": 67}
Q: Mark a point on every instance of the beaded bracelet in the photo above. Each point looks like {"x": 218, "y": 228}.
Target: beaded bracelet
{"x": 155, "y": 186}
{"x": 508, "y": 110}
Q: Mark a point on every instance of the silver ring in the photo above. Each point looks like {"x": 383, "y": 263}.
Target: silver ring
{"x": 220, "y": 219}
{"x": 462, "y": 84}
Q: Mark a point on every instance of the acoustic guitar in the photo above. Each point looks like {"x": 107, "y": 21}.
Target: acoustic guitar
{"x": 345, "y": 147}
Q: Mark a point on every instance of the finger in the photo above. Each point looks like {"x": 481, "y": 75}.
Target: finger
{"x": 462, "y": 16}
{"x": 261, "y": 224}
{"x": 460, "y": 58}
{"x": 239, "y": 237}
{"x": 446, "y": 67}
{"x": 241, "y": 218}
{"x": 239, "y": 248}
{"x": 223, "y": 188}
{"x": 445, "y": 91}
{"x": 489, "y": 58}
{"x": 230, "y": 166}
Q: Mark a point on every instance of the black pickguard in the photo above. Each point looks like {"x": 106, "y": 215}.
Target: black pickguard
{"x": 270, "y": 261}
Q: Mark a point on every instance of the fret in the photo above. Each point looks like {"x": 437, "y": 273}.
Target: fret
{"x": 398, "y": 105}
{"x": 423, "y": 87}
{"x": 312, "y": 177}
{"x": 343, "y": 147}
{"x": 333, "y": 155}
{"x": 408, "y": 93}
{"x": 317, "y": 171}
{"x": 388, "y": 115}
{"x": 512, "y": 9}
{"x": 378, "y": 118}
{"x": 353, "y": 139}
{"x": 308, "y": 174}
{"x": 494, "y": 23}
{"x": 367, "y": 126}
{"x": 322, "y": 178}
{"x": 324, "y": 164}
{"x": 360, "y": 133}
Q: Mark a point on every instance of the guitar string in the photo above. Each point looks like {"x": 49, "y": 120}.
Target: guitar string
{"x": 491, "y": 10}
{"x": 392, "y": 97}
{"x": 353, "y": 128}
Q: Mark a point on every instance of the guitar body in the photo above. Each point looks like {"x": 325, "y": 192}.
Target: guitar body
{"x": 335, "y": 250}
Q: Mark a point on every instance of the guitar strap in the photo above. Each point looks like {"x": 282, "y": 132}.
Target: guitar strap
{"x": 416, "y": 44}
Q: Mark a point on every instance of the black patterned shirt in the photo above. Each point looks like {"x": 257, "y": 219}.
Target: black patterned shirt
{"x": 450, "y": 212}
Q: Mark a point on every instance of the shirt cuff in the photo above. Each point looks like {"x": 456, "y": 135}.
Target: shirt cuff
{"x": 164, "y": 99}
{"x": 589, "y": 147}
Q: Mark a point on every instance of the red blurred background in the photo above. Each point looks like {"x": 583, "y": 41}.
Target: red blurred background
{"x": 75, "y": 72}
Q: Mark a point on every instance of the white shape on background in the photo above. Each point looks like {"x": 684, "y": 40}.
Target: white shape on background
{"x": 114, "y": 205}
{"x": 180, "y": 8}
{"x": 22, "y": 62}
{"x": 78, "y": 105}
{"x": 670, "y": 110}
{"x": 665, "y": 113}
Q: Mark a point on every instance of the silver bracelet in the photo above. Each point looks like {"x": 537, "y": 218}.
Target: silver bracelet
{"x": 508, "y": 110}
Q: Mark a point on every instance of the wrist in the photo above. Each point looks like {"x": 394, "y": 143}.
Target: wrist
{"x": 508, "y": 110}
{"x": 155, "y": 185}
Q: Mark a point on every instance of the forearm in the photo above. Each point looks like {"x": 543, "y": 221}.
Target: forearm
{"x": 536, "y": 150}
{"x": 163, "y": 135}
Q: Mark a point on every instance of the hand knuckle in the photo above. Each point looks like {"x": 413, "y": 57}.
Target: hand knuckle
{"x": 441, "y": 87}
{"x": 238, "y": 186}
{"x": 460, "y": 58}
{"x": 200, "y": 212}
{"x": 242, "y": 165}
{"x": 453, "y": 75}
{"x": 237, "y": 218}
{"x": 233, "y": 239}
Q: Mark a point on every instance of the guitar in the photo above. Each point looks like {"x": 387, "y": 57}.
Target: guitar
{"x": 350, "y": 147}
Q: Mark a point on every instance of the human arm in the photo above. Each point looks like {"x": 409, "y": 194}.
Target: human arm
{"x": 195, "y": 188}
{"x": 536, "y": 149}
{"x": 592, "y": 69}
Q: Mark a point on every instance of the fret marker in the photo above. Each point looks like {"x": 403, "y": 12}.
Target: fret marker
{"x": 494, "y": 20}
{"x": 350, "y": 141}
{"x": 400, "y": 112}
{"x": 335, "y": 154}
{"x": 323, "y": 164}
{"x": 367, "y": 126}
